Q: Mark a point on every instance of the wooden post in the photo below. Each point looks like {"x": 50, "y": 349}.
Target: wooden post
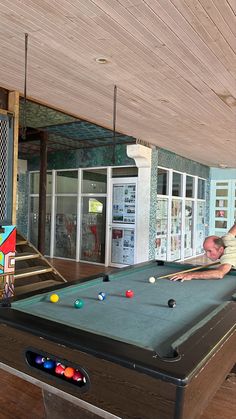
{"x": 42, "y": 192}
{"x": 13, "y": 106}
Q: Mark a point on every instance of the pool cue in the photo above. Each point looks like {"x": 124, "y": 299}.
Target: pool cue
{"x": 189, "y": 270}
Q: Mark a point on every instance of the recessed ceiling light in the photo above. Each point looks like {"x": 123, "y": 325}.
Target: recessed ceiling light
{"x": 222, "y": 165}
{"x": 101, "y": 60}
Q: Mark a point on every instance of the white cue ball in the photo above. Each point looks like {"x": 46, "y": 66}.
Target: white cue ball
{"x": 152, "y": 280}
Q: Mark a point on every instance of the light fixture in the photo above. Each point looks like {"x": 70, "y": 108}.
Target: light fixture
{"x": 222, "y": 165}
{"x": 101, "y": 60}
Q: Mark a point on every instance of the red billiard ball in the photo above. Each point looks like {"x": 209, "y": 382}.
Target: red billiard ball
{"x": 77, "y": 376}
{"x": 129, "y": 293}
{"x": 60, "y": 369}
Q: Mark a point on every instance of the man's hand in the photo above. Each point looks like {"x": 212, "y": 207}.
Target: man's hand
{"x": 218, "y": 273}
{"x": 183, "y": 277}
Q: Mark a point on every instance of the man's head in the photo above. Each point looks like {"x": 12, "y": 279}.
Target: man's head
{"x": 214, "y": 247}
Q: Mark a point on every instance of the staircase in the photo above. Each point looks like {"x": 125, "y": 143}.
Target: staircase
{"x": 32, "y": 270}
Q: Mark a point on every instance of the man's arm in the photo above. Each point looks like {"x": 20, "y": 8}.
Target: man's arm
{"x": 217, "y": 273}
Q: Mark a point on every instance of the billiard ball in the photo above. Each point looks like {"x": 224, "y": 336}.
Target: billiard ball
{"x": 77, "y": 376}
{"x": 101, "y": 296}
{"x": 171, "y": 303}
{"x": 49, "y": 364}
{"x": 152, "y": 280}
{"x": 69, "y": 372}
{"x": 78, "y": 303}
{"x": 39, "y": 359}
{"x": 54, "y": 298}
{"x": 129, "y": 293}
{"x": 60, "y": 369}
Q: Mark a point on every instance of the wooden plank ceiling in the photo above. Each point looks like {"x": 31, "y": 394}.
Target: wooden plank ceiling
{"x": 173, "y": 62}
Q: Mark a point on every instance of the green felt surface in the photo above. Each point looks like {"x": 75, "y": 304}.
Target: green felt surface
{"x": 144, "y": 320}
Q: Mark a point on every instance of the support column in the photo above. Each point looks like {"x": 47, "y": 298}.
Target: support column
{"x": 142, "y": 156}
{"x": 42, "y": 192}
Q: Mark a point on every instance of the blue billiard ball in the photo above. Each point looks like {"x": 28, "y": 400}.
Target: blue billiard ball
{"x": 49, "y": 364}
{"x": 78, "y": 303}
{"x": 101, "y": 296}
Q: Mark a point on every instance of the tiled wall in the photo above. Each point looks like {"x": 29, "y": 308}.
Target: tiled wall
{"x": 87, "y": 157}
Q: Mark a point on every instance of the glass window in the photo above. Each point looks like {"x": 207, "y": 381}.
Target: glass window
{"x": 200, "y": 227}
{"x": 221, "y": 192}
{"x": 201, "y": 189}
{"x": 176, "y": 210}
{"x": 94, "y": 181}
{"x": 221, "y": 203}
{"x": 162, "y": 181}
{"x": 220, "y": 224}
{"x": 124, "y": 172}
{"x": 34, "y": 183}
{"x": 189, "y": 193}
{"x": 49, "y": 183}
{"x": 221, "y": 213}
{"x": 188, "y": 236}
{"x": 177, "y": 184}
{"x": 67, "y": 182}
{"x": 33, "y": 222}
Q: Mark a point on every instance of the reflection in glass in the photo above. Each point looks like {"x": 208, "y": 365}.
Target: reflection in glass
{"x": 220, "y": 224}
{"x": 201, "y": 189}
{"x": 67, "y": 181}
{"x": 94, "y": 181}
{"x": 125, "y": 171}
{"x": 33, "y": 222}
{"x": 177, "y": 184}
{"x": 34, "y": 183}
{"x": 162, "y": 181}
{"x": 200, "y": 230}
{"x": 189, "y": 186}
{"x": 65, "y": 229}
{"x": 176, "y": 211}
{"x": 222, "y": 192}
{"x": 188, "y": 236}
{"x": 93, "y": 228}
{"x": 161, "y": 229}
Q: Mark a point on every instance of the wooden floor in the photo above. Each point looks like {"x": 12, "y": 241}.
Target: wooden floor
{"x": 22, "y": 400}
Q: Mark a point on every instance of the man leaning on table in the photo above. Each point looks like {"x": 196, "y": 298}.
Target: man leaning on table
{"x": 222, "y": 248}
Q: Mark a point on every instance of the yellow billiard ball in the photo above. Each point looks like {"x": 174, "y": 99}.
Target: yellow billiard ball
{"x": 54, "y": 298}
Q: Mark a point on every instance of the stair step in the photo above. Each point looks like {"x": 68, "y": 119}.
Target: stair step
{"x": 31, "y": 271}
{"x": 23, "y": 289}
{"x": 21, "y": 241}
{"x": 26, "y": 255}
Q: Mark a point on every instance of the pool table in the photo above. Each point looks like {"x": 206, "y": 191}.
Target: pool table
{"x": 138, "y": 357}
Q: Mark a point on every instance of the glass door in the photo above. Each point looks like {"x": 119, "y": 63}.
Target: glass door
{"x": 93, "y": 215}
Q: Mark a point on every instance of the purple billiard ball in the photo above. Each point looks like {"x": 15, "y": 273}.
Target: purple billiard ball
{"x": 39, "y": 359}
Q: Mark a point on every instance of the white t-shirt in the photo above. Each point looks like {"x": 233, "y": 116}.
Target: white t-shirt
{"x": 229, "y": 255}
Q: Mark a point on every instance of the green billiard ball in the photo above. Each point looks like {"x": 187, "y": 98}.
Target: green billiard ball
{"x": 78, "y": 303}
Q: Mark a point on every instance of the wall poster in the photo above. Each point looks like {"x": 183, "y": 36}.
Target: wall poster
{"x": 123, "y": 206}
